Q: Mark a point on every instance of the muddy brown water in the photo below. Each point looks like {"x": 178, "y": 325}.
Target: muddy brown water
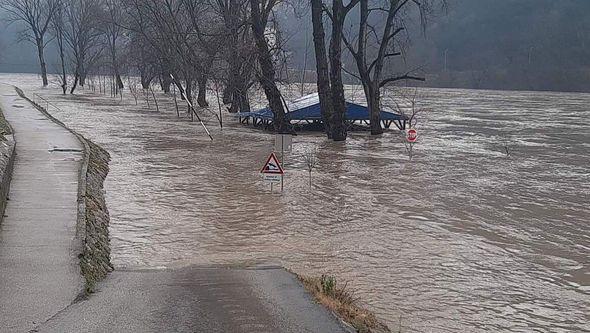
{"x": 460, "y": 239}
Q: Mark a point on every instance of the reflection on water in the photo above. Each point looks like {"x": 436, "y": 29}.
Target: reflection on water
{"x": 461, "y": 239}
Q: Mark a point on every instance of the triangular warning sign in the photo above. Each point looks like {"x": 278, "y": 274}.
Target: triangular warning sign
{"x": 272, "y": 165}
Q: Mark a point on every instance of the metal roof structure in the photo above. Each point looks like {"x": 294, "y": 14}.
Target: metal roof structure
{"x": 307, "y": 108}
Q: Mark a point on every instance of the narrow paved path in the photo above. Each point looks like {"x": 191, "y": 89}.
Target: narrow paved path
{"x": 39, "y": 273}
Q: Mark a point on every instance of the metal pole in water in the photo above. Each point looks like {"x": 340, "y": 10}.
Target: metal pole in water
{"x": 282, "y": 161}
{"x": 190, "y": 105}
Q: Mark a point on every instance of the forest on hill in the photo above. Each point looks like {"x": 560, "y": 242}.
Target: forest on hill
{"x": 487, "y": 44}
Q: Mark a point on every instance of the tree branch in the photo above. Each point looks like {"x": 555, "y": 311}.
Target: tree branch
{"x": 349, "y": 46}
{"x": 399, "y": 78}
{"x": 374, "y": 62}
{"x": 351, "y": 74}
{"x": 350, "y": 6}
{"x": 393, "y": 34}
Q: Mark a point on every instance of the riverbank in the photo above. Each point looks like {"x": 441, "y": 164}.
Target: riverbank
{"x": 343, "y": 303}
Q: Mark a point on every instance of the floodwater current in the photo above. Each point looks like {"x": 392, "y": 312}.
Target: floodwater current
{"x": 462, "y": 238}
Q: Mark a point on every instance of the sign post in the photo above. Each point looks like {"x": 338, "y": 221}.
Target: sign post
{"x": 283, "y": 143}
{"x": 272, "y": 171}
{"x": 411, "y": 137}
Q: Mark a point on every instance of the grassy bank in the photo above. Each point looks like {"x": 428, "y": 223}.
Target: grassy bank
{"x": 341, "y": 301}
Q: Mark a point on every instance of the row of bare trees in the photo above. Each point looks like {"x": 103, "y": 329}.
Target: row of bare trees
{"x": 191, "y": 43}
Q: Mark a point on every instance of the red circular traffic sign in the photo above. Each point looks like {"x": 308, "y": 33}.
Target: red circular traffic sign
{"x": 412, "y": 135}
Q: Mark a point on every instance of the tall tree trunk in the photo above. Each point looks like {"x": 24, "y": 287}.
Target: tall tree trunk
{"x": 165, "y": 83}
{"x": 189, "y": 89}
{"x": 338, "y": 125}
{"x": 120, "y": 84}
{"x": 165, "y": 80}
{"x": 82, "y": 74}
{"x": 75, "y": 84}
{"x": 321, "y": 59}
{"x": 145, "y": 80}
{"x": 244, "y": 103}
{"x": 40, "y": 49}
{"x": 267, "y": 78}
{"x": 181, "y": 91}
{"x": 239, "y": 101}
{"x": 202, "y": 94}
{"x": 227, "y": 95}
{"x": 115, "y": 63}
{"x": 234, "y": 71}
{"x": 372, "y": 94}
{"x": 64, "y": 78}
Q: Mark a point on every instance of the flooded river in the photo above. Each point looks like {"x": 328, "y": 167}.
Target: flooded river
{"x": 461, "y": 239}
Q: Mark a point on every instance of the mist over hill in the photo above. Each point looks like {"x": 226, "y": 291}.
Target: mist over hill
{"x": 491, "y": 44}
{"x": 482, "y": 44}
{"x": 509, "y": 44}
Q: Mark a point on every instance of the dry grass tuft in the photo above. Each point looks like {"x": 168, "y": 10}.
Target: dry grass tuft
{"x": 341, "y": 301}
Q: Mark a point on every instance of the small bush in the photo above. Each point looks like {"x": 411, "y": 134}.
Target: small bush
{"x": 328, "y": 284}
{"x": 341, "y": 301}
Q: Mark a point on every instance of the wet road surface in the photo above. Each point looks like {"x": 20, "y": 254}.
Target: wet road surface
{"x": 39, "y": 271}
{"x": 206, "y": 299}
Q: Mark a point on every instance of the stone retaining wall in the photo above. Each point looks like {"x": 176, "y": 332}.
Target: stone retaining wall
{"x": 95, "y": 260}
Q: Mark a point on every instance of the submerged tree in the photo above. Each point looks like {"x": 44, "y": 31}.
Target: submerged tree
{"x": 329, "y": 68}
{"x": 36, "y": 15}
{"x": 112, "y": 16}
{"x": 377, "y": 41}
{"x": 238, "y": 51}
{"x": 260, "y": 10}
{"x": 57, "y": 29}
{"x": 82, "y": 36}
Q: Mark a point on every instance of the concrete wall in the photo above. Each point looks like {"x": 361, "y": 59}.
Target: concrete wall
{"x": 7, "y": 156}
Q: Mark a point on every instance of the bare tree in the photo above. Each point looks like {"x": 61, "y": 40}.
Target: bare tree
{"x": 82, "y": 36}
{"x": 322, "y": 69}
{"x": 57, "y": 28}
{"x": 376, "y": 43}
{"x": 144, "y": 58}
{"x": 132, "y": 85}
{"x": 111, "y": 27}
{"x": 311, "y": 160}
{"x": 405, "y": 102}
{"x": 330, "y": 84}
{"x": 36, "y": 15}
{"x": 239, "y": 51}
{"x": 169, "y": 32}
{"x": 260, "y": 10}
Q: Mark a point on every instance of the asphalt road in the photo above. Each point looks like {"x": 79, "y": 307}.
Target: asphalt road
{"x": 197, "y": 299}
